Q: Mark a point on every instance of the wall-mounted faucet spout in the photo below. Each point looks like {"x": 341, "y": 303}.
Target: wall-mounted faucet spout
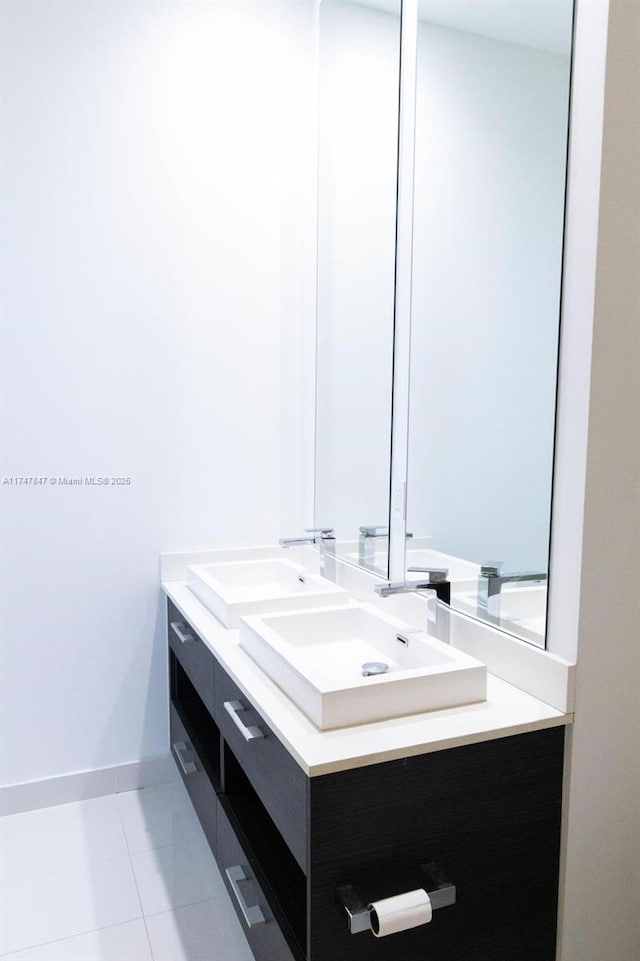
{"x": 435, "y": 582}
{"x": 324, "y": 538}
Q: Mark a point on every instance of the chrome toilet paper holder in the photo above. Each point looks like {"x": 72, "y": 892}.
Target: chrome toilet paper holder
{"x": 442, "y": 894}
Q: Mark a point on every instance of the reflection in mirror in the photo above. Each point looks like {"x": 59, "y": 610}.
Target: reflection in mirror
{"x": 359, "y": 57}
{"x": 491, "y": 143}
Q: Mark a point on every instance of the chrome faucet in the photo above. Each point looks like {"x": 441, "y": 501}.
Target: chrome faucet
{"x": 367, "y": 540}
{"x": 490, "y": 585}
{"x": 436, "y": 582}
{"x": 324, "y": 538}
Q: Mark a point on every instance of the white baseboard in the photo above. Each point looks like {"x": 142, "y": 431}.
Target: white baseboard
{"x": 15, "y": 798}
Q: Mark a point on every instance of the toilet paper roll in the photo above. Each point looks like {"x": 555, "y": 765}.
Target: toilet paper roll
{"x": 400, "y": 913}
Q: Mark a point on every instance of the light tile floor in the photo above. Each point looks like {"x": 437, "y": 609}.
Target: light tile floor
{"x": 128, "y": 877}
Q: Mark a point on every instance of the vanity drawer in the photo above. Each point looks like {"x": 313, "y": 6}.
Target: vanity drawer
{"x": 193, "y": 654}
{"x": 194, "y": 776}
{"x": 258, "y": 923}
{"x": 278, "y": 780}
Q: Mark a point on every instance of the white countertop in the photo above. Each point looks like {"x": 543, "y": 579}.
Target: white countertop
{"x": 507, "y": 710}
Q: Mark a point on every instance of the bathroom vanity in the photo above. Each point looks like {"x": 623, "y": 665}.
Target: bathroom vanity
{"x": 464, "y": 800}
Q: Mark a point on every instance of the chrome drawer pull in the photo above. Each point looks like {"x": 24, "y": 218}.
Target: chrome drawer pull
{"x": 178, "y": 629}
{"x": 188, "y": 767}
{"x": 252, "y": 914}
{"x": 233, "y": 709}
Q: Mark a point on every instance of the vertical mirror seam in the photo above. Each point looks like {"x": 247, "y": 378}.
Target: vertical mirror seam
{"x": 402, "y": 312}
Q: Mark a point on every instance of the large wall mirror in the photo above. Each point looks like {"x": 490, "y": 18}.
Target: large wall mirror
{"x": 359, "y": 70}
{"x": 485, "y": 242}
{"x": 492, "y": 102}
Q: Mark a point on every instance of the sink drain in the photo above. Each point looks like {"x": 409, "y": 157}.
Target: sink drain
{"x": 370, "y": 668}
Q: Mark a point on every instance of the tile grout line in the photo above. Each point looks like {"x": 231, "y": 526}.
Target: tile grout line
{"x": 70, "y": 937}
{"x": 154, "y": 847}
{"x": 135, "y": 880}
{"x": 158, "y": 847}
{"x": 71, "y": 867}
{"x": 60, "y": 870}
{"x": 222, "y": 898}
{"x": 83, "y": 864}
{"x": 129, "y": 855}
{"x": 144, "y": 918}
{"x": 76, "y": 867}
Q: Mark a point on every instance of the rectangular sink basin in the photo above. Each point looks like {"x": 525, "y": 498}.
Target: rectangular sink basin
{"x": 317, "y": 658}
{"x": 233, "y": 588}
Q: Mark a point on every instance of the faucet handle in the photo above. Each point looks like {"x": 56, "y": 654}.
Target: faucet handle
{"x": 436, "y": 574}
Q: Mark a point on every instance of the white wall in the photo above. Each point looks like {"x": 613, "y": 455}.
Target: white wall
{"x": 359, "y": 56}
{"x": 600, "y": 912}
{"x": 144, "y": 301}
{"x": 491, "y": 135}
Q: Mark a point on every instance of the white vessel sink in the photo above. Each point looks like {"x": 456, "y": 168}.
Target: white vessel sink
{"x": 316, "y": 657}
{"x": 233, "y": 588}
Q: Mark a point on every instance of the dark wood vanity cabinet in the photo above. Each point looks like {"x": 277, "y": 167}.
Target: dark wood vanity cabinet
{"x": 487, "y": 814}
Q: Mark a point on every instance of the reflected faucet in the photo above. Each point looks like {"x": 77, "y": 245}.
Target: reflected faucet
{"x": 324, "y": 538}
{"x": 490, "y": 585}
{"x": 367, "y": 543}
{"x": 435, "y": 582}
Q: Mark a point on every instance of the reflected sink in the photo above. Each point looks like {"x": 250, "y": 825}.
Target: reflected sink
{"x": 234, "y": 588}
{"x": 523, "y": 602}
{"x": 521, "y": 610}
{"x": 316, "y": 657}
